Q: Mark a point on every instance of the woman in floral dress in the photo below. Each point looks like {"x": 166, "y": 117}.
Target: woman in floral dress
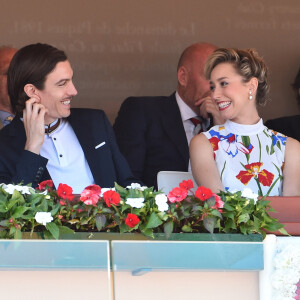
{"x": 243, "y": 152}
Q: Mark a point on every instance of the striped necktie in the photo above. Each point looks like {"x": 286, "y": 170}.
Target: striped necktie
{"x": 198, "y": 125}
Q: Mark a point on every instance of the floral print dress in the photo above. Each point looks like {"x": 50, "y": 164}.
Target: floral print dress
{"x": 249, "y": 156}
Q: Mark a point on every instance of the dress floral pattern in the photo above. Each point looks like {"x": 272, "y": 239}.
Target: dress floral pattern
{"x": 249, "y": 156}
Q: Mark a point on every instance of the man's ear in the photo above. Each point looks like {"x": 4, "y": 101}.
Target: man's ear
{"x": 31, "y": 91}
{"x": 182, "y": 76}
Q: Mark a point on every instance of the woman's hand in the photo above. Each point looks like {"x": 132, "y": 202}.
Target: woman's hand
{"x": 34, "y": 123}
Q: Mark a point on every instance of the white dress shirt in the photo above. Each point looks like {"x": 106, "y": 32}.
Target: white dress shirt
{"x": 186, "y": 114}
{"x": 66, "y": 160}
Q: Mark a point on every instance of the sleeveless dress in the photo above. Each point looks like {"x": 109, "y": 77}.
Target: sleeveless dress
{"x": 249, "y": 156}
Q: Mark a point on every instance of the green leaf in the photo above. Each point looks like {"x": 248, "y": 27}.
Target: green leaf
{"x": 18, "y": 234}
{"x": 168, "y": 228}
{"x": 243, "y": 218}
{"x": 283, "y": 231}
{"x": 54, "y": 230}
{"x": 4, "y": 223}
{"x": 187, "y": 228}
{"x": 65, "y": 230}
{"x": 209, "y": 224}
{"x": 100, "y": 221}
{"x": 19, "y": 211}
{"x": 228, "y": 207}
{"x": 120, "y": 190}
{"x": 154, "y": 221}
{"x": 148, "y": 232}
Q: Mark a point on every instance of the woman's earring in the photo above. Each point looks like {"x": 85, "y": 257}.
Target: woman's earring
{"x": 250, "y": 95}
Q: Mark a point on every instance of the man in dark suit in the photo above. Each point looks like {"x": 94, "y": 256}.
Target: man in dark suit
{"x": 49, "y": 140}
{"x": 154, "y": 133}
{"x": 288, "y": 125}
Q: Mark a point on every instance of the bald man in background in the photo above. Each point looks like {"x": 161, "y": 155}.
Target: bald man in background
{"x": 154, "y": 133}
{"x": 6, "y": 114}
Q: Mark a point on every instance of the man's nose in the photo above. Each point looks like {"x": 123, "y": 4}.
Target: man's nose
{"x": 72, "y": 90}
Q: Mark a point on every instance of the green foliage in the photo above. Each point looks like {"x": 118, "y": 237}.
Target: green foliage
{"x": 20, "y": 205}
{"x": 244, "y": 215}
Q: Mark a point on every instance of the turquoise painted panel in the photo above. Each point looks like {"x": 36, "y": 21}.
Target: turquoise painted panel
{"x": 54, "y": 254}
{"x": 144, "y": 256}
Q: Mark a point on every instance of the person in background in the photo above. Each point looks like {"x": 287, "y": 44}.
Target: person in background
{"x": 289, "y": 125}
{"x": 154, "y": 133}
{"x": 6, "y": 114}
{"x": 243, "y": 152}
{"x": 49, "y": 140}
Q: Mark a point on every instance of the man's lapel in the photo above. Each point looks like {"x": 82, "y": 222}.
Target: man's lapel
{"x": 87, "y": 141}
{"x": 173, "y": 126}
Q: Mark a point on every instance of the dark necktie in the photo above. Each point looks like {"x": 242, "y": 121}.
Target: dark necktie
{"x": 49, "y": 129}
{"x": 198, "y": 125}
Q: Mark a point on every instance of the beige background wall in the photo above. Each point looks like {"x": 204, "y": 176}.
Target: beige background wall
{"x": 121, "y": 48}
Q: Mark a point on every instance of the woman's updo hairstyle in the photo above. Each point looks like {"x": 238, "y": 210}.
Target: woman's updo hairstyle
{"x": 247, "y": 63}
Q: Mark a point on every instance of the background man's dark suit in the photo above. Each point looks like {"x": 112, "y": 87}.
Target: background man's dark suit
{"x": 91, "y": 127}
{"x": 286, "y": 125}
{"x": 150, "y": 134}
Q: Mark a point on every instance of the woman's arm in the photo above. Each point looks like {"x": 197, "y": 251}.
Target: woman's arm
{"x": 203, "y": 165}
{"x": 291, "y": 170}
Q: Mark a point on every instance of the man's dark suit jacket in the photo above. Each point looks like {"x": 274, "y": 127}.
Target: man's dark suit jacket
{"x": 91, "y": 127}
{"x": 150, "y": 134}
{"x": 286, "y": 125}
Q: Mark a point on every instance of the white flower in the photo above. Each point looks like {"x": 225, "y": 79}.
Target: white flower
{"x": 10, "y": 188}
{"x": 135, "y": 202}
{"x": 286, "y": 273}
{"x": 43, "y": 217}
{"x": 161, "y": 202}
{"x": 136, "y": 186}
{"x": 103, "y": 190}
{"x": 247, "y": 193}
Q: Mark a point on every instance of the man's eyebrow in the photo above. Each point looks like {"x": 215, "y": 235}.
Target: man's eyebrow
{"x": 62, "y": 80}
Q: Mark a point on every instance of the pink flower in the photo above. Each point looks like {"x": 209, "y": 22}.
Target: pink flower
{"x": 90, "y": 199}
{"x": 65, "y": 192}
{"x": 186, "y": 184}
{"x": 132, "y": 220}
{"x": 93, "y": 188}
{"x": 219, "y": 203}
{"x": 177, "y": 195}
{"x": 203, "y": 193}
{"x": 90, "y": 195}
{"x": 111, "y": 197}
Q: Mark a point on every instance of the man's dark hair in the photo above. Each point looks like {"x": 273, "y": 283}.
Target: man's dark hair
{"x": 296, "y": 85}
{"x": 30, "y": 65}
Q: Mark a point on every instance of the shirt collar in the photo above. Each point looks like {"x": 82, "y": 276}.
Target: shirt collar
{"x": 185, "y": 111}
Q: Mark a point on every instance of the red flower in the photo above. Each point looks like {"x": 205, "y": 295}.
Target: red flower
{"x": 111, "y": 197}
{"x": 203, "y": 193}
{"x": 186, "y": 184}
{"x": 132, "y": 220}
{"x": 43, "y": 184}
{"x": 253, "y": 170}
{"x": 177, "y": 195}
{"x": 214, "y": 141}
{"x": 65, "y": 192}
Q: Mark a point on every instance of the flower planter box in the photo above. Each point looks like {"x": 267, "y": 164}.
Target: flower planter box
{"x": 287, "y": 212}
{"x": 218, "y": 237}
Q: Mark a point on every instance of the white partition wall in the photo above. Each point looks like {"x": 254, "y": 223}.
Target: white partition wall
{"x": 186, "y": 270}
{"x": 42, "y": 270}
